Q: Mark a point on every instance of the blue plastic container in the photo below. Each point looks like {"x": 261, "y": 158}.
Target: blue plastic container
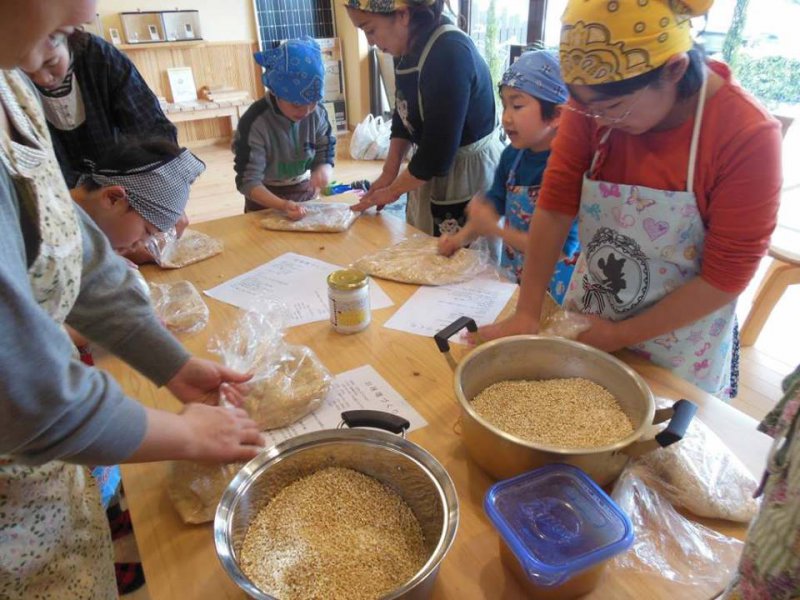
{"x": 558, "y": 529}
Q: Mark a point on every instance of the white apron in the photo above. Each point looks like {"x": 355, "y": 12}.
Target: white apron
{"x": 54, "y": 537}
{"x": 437, "y": 207}
{"x": 638, "y": 245}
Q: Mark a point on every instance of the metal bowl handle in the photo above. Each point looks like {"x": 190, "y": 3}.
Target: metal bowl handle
{"x": 377, "y": 419}
{"x": 441, "y": 338}
{"x": 680, "y": 415}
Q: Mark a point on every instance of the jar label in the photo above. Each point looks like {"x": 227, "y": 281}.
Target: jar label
{"x": 349, "y": 315}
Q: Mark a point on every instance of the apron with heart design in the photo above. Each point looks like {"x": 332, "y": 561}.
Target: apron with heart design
{"x": 638, "y": 245}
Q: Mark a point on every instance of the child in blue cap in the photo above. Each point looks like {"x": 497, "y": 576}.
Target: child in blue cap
{"x": 532, "y": 92}
{"x": 284, "y": 145}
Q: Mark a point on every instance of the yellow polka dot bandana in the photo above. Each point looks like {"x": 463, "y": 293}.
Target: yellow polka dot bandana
{"x": 385, "y": 6}
{"x": 612, "y": 40}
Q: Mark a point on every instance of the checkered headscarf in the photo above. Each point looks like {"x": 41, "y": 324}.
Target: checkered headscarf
{"x": 158, "y": 191}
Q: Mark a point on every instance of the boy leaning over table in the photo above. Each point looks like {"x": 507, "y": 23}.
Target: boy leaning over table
{"x": 284, "y": 145}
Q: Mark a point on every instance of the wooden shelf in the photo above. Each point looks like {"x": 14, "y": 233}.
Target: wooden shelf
{"x": 182, "y": 44}
{"x": 153, "y": 45}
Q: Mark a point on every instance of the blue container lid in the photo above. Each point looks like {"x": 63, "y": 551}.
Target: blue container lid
{"x": 557, "y": 522}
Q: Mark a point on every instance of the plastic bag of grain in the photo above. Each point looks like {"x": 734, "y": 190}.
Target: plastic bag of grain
{"x": 289, "y": 381}
{"x": 173, "y": 252}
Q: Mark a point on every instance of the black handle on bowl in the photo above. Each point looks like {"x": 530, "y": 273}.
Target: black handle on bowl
{"x": 683, "y": 413}
{"x": 376, "y": 419}
{"x": 445, "y": 334}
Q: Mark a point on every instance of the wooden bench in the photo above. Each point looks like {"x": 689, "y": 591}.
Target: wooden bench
{"x": 205, "y": 109}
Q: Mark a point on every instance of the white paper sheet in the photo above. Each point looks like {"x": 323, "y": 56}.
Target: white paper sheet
{"x": 299, "y": 282}
{"x": 359, "y": 389}
{"x": 431, "y": 309}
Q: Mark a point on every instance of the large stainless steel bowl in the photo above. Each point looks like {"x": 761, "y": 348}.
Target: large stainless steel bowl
{"x": 402, "y": 465}
{"x": 504, "y": 455}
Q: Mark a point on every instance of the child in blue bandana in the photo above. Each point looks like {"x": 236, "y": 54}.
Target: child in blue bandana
{"x": 532, "y": 91}
{"x": 284, "y": 144}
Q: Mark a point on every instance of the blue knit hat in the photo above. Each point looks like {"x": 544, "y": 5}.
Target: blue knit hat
{"x": 294, "y": 71}
{"x": 537, "y": 73}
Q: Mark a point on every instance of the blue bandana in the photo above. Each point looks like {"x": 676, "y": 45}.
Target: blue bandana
{"x": 537, "y": 73}
{"x": 294, "y": 71}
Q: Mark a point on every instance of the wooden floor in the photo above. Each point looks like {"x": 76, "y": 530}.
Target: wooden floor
{"x": 763, "y": 366}
{"x": 214, "y": 194}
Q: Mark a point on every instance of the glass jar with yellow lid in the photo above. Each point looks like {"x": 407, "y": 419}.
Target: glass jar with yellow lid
{"x": 348, "y": 296}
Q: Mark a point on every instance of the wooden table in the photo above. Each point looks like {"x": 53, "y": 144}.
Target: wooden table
{"x": 180, "y": 561}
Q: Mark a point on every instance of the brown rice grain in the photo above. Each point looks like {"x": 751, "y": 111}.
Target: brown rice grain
{"x": 334, "y": 534}
{"x": 572, "y": 412}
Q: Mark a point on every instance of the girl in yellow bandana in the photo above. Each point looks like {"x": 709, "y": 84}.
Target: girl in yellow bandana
{"x": 673, "y": 171}
{"x": 444, "y": 105}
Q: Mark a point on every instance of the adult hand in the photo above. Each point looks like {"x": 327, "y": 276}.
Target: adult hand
{"x": 220, "y": 434}
{"x": 377, "y": 198}
{"x": 448, "y": 244}
{"x": 294, "y": 210}
{"x": 603, "y": 334}
{"x": 321, "y": 176}
{"x": 204, "y": 381}
{"x": 382, "y": 182}
{"x": 517, "y": 324}
{"x": 483, "y": 217}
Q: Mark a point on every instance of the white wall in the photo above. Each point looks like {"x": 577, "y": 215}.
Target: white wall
{"x": 221, "y": 20}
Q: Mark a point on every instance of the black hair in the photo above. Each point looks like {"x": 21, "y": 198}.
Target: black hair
{"x": 423, "y": 19}
{"x": 547, "y": 110}
{"x": 132, "y": 153}
{"x": 688, "y": 85}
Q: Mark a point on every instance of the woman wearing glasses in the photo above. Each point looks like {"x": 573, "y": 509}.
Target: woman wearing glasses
{"x": 674, "y": 173}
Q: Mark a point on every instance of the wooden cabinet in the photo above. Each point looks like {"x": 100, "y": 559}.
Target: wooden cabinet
{"x": 213, "y": 64}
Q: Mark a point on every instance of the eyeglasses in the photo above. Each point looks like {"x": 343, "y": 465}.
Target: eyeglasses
{"x": 602, "y": 115}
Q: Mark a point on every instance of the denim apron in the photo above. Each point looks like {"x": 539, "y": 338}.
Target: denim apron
{"x": 520, "y": 204}
{"x": 54, "y": 535}
{"x": 639, "y": 244}
{"x": 437, "y": 207}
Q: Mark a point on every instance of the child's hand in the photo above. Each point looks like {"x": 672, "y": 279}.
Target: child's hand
{"x": 182, "y": 224}
{"x": 294, "y": 211}
{"x": 448, "y": 244}
{"x": 483, "y": 217}
{"x": 321, "y": 176}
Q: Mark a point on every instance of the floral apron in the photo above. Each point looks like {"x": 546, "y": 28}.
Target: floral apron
{"x": 638, "y": 244}
{"x": 520, "y": 204}
{"x": 770, "y": 564}
{"x": 438, "y": 206}
{"x": 54, "y": 536}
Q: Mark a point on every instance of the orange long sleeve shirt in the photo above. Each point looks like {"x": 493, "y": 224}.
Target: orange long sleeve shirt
{"x": 737, "y": 177}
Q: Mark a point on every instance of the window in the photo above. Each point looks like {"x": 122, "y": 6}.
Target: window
{"x": 496, "y": 25}
{"x": 552, "y": 23}
{"x": 286, "y": 19}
